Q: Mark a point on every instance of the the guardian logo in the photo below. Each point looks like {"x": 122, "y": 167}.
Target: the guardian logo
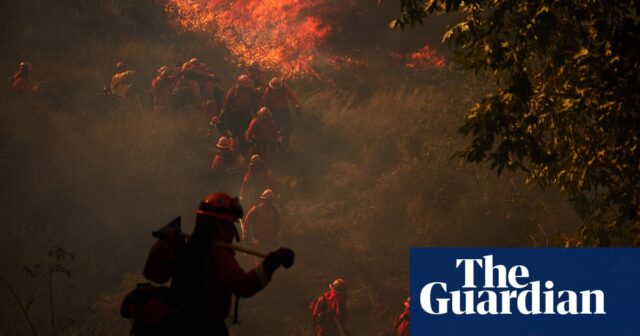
{"x": 494, "y": 289}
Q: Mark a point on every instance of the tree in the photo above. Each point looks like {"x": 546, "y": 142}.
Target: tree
{"x": 565, "y": 108}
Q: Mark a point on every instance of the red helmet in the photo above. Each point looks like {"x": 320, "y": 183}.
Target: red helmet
{"x": 164, "y": 70}
{"x": 338, "y": 285}
{"x": 120, "y": 66}
{"x": 255, "y": 158}
{"x": 25, "y": 65}
{"x": 267, "y": 195}
{"x": 264, "y": 113}
{"x": 223, "y": 143}
{"x": 275, "y": 83}
{"x": 222, "y": 206}
{"x": 244, "y": 81}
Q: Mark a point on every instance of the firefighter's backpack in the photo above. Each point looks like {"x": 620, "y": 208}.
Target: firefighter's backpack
{"x": 163, "y": 257}
{"x": 150, "y": 309}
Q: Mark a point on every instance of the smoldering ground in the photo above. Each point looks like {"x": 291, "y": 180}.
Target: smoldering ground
{"x": 373, "y": 172}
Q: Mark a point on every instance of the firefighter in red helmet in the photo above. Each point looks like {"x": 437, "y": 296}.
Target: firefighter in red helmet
{"x": 203, "y": 286}
{"x": 187, "y": 91}
{"x": 329, "y": 311}
{"x": 20, "y": 81}
{"x": 401, "y": 323}
{"x": 261, "y": 133}
{"x": 240, "y": 103}
{"x": 223, "y": 157}
{"x": 278, "y": 97}
{"x": 257, "y": 178}
{"x": 262, "y": 224}
{"x": 225, "y": 161}
{"x": 211, "y": 93}
{"x": 161, "y": 87}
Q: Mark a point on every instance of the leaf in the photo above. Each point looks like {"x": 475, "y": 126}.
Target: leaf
{"x": 542, "y": 9}
{"x": 460, "y": 27}
{"x": 581, "y": 54}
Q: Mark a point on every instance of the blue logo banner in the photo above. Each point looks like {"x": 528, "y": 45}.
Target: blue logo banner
{"x": 525, "y": 292}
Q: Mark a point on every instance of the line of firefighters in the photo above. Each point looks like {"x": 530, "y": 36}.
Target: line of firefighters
{"x": 260, "y": 113}
{"x": 255, "y": 118}
{"x": 254, "y": 113}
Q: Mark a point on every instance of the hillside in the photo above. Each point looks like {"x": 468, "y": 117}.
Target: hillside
{"x": 373, "y": 172}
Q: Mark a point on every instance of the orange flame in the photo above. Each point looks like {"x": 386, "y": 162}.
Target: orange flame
{"x": 274, "y": 34}
{"x": 425, "y": 58}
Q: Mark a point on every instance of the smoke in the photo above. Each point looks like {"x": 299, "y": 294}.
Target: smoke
{"x": 371, "y": 172}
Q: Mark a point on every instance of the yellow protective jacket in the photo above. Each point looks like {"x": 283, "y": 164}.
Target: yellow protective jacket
{"x": 121, "y": 83}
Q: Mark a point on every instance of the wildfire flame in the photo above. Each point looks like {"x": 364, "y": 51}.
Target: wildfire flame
{"x": 425, "y": 58}
{"x": 274, "y": 34}
{"x": 279, "y": 35}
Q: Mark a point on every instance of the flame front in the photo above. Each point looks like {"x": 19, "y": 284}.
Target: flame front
{"x": 425, "y": 58}
{"x": 274, "y": 34}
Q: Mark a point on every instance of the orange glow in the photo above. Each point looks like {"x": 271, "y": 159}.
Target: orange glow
{"x": 338, "y": 61}
{"x": 425, "y": 58}
{"x": 275, "y": 34}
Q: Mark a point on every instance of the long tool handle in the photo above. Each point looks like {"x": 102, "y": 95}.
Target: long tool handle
{"x": 338, "y": 325}
{"x": 242, "y": 249}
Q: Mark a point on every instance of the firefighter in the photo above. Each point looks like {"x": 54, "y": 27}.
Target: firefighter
{"x": 329, "y": 311}
{"x": 262, "y": 223}
{"x": 20, "y": 81}
{"x": 190, "y": 84}
{"x": 161, "y": 87}
{"x": 212, "y": 95}
{"x": 241, "y": 102}
{"x": 257, "y": 178}
{"x": 121, "y": 85}
{"x": 190, "y": 65}
{"x": 401, "y": 323}
{"x": 278, "y": 97}
{"x": 187, "y": 90}
{"x": 209, "y": 274}
{"x": 195, "y": 62}
{"x": 261, "y": 133}
{"x": 224, "y": 161}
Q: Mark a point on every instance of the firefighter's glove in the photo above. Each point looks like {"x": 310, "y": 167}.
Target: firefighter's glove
{"x": 281, "y": 257}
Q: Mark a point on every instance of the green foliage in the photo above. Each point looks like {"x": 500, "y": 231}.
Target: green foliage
{"x": 566, "y": 99}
